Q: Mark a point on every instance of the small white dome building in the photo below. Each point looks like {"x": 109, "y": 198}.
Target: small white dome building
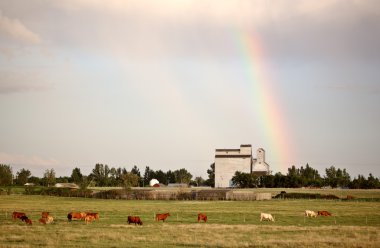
{"x": 153, "y": 182}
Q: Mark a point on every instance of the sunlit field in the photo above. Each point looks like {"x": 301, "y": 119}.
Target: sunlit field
{"x": 230, "y": 223}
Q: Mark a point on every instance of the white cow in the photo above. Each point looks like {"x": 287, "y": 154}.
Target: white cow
{"x": 268, "y": 217}
{"x": 49, "y": 219}
{"x": 309, "y": 213}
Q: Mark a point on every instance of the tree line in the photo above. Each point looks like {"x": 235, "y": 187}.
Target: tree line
{"x": 104, "y": 176}
{"x": 101, "y": 176}
{"x": 306, "y": 177}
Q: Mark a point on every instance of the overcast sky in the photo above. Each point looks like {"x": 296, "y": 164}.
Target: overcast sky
{"x": 165, "y": 83}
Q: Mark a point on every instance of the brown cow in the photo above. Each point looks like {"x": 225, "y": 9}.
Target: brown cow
{"x": 45, "y": 214}
{"x": 96, "y": 215}
{"x": 89, "y": 218}
{"x": 46, "y": 218}
{"x": 134, "y": 219}
{"x": 76, "y": 215}
{"x": 17, "y": 215}
{"x": 162, "y": 217}
{"x": 202, "y": 217}
{"x": 26, "y": 220}
{"x": 42, "y": 221}
{"x": 324, "y": 213}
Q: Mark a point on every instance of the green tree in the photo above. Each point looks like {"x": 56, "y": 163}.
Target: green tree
{"x": 35, "y": 180}
{"x": 161, "y": 177}
{"x": 101, "y": 175}
{"x": 244, "y": 180}
{"x": 22, "y": 176}
{"x": 135, "y": 170}
{"x": 49, "y": 177}
{"x": 372, "y": 182}
{"x": 293, "y": 178}
{"x": 170, "y": 177}
{"x": 199, "y": 181}
{"x": 130, "y": 180}
{"x": 148, "y": 175}
{"x": 76, "y": 176}
{"x": 6, "y": 176}
{"x": 331, "y": 177}
{"x": 211, "y": 176}
{"x": 310, "y": 176}
{"x": 182, "y": 176}
{"x": 343, "y": 178}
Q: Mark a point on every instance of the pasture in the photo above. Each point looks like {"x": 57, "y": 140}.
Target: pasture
{"x": 230, "y": 223}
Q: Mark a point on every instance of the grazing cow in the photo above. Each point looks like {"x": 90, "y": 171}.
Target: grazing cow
{"x": 49, "y": 219}
{"x": 162, "y": 217}
{"x": 89, "y": 218}
{"x": 268, "y": 217}
{"x": 42, "y": 221}
{"x": 46, "y": 218}
{"x": 134, "y": 219}
{"x": 17, "y": 215}
{"x": 96, "y": 215}
{"x": 26, "y": 220}
{"x": 45, "y": 214}
{"x": 324, "y": 213}
{"x": 202, "y": 217}
{"x": 309, "y": 213}
{"x": 76, "y": 215}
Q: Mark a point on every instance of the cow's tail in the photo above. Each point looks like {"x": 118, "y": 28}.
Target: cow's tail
{"x": 69, "y": 217}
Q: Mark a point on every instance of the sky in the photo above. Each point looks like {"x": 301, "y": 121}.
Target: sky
{"x": 165, "y": 83}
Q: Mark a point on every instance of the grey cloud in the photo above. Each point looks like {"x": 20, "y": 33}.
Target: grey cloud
{"x": 17, "y": 30}
{"x": 17, "y": 82}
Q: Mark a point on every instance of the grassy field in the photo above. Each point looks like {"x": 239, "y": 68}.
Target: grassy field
{"x": 230, "y": 224}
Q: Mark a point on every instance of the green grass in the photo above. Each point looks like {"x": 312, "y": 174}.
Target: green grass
{"x": 230, "y": 223}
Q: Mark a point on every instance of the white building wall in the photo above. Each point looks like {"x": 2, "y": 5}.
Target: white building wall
{"x": 228, "y": 161}
{"x": 225, "y": 169}
{"x": 259, "y": 165}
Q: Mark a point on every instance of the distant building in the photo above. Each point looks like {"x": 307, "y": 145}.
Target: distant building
{"x": 178, "y": 185}
{"x": 228, "y": 161}
{"x": 66, "y": 185}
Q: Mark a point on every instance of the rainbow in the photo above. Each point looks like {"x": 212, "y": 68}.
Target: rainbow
{"x": 271, "y": 122}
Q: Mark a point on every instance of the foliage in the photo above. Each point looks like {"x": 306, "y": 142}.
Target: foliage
{"x": 182, "y": 176}
{"x": 76, "y": 176}
{"x": 362, "y": 183}
{"x": 337, "y": 177}
{"x": 6, "y": 176}
{"x": 211, "y": 176}
{"x": 245, "y": 180}
{"x": 148, "y": 175}
{"x": 285, "y": 195}
{"x": 130, "y": 180}
{"x": 103, "y": 176}
{"x": 49, "y": 177}
{"x": 170, "y": 177}
{"x": 199, "y": 181}
{"x": 100, "y": 174}
{"x": 22, "y": 176}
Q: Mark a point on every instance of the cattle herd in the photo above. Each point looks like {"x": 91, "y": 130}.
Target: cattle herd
{"x": 88, "y": 217}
